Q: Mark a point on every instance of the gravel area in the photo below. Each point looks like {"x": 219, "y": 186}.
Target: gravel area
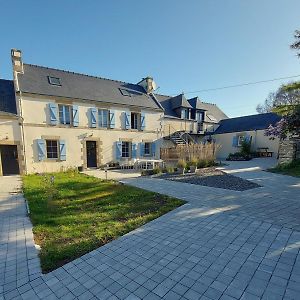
{"x": 213, "y": 178}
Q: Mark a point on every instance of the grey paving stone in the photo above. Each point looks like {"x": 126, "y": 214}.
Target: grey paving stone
{"x": 196, "y": 249}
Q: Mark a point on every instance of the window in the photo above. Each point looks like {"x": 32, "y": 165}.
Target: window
{"x": 241, "y": 139}
{"x": 52, "y": 148}
{"x": 126, "y": 149}
{"x": 54, "y": 80}
{"x": 184, "y": 113}
{"x": 135, "y": 120}
{"x": 125, "y": 92}
{"x": 64, "y": 114}
{"x": 103, "y": 115}
{"x": 147, "y": 148}
{"x": 199, "y": 116}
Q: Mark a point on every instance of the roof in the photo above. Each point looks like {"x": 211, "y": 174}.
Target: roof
{"x": 247, "y": 123}
{"x": 212, "y": 109}
{"x": 35, "y": 80}
{"x": 7, "y": 97}
{"x": 196, "y": 103}
{"x": 179, "y": 101}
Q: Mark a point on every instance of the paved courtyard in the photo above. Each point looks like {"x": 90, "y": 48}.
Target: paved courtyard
{"x": 220, "y": 245}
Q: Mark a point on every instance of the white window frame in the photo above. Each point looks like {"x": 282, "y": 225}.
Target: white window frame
{"x": 57, "y": 146}
{"x": 129, "y": 150}
{"x": 108, "y": 118}
{"x": 64, "y": 108}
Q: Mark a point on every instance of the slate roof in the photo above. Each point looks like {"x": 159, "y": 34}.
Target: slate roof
{"x": 7, "y": 97}
{"x": 212, "y": 109}
{"x": 247, "y": 123}
{"x": 79, "y": 86}
{"x": 179, "y": 101}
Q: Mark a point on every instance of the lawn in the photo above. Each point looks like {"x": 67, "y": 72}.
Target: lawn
{"x": 292, "y": 169}
{"x": 74, "y": 213}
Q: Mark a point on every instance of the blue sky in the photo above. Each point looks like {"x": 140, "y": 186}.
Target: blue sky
{"x": 185, "y": 45}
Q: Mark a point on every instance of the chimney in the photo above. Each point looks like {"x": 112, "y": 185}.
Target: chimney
{"x": 148, "y": 84}
{"x": 16, "y": 56}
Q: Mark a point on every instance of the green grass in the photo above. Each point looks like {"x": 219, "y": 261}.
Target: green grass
{"x": 292, "y": 169}
{"x": 78, "y": 213}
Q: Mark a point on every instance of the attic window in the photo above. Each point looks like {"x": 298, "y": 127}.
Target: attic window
{"x": 54, "y": 80}
{"x": 125, "y": 92}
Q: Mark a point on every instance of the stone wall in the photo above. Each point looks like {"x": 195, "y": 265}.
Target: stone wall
{"x": 289, "y": 150}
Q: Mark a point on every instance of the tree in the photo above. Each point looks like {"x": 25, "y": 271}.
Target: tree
{"x": 285, "y": 98}
{"x": 286, "y": 103}
{"x": 296, "y": 44}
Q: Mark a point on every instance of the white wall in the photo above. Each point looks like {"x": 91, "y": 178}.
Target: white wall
{"x": 258, "y": 140}
{"x": 36, "y": 126}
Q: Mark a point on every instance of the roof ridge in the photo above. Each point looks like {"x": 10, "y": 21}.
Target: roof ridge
{"x": 258, "y": 114}
{"x": 77, "y": 73}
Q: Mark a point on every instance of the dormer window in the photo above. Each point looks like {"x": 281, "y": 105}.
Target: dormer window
{"x": 54, "y": 80}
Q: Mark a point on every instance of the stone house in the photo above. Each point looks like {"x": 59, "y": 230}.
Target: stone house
{"x": 58, "y": 119}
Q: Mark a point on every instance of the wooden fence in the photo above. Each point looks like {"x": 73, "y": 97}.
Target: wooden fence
{"x": 188, "y": 152}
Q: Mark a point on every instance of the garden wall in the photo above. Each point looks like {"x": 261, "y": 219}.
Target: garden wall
{"x": 289, "y": 150}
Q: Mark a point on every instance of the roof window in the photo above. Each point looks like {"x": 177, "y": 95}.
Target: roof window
{"x": 211, "y": 117}
{"x": 125, "y": 92}
{"x": 54, "y": 80}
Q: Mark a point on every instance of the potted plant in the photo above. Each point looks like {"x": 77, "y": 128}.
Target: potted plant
{"x": 193, "y": 165}
{"x": 181, "y": 165}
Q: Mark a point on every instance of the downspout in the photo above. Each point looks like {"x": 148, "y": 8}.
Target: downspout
{"x": 21, "y": 119}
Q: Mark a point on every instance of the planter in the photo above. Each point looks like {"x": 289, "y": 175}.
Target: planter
{"x": 180, "y": 170}
{"x": 193, "y": 169}
{"x": 80, "y": 169}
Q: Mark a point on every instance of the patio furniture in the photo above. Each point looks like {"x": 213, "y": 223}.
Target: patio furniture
{"x": 147, "y": 164}
{"x": 263, "y": 152}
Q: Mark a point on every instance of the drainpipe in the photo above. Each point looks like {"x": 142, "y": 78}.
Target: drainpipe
{"x": 18, "y": 95}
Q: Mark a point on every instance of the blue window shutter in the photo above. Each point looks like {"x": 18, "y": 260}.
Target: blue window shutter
{"x": 143, "y": 121}
{"x": 100, "y": 118}
{"x": 53, "y": 113}
{"x": 133, "y": 150}
{"x": 62, "y": 150}
{"x": 235, "y": 141}
{"x": 111, "y": 119}
{"x": 153, "y": 148}
{"x": 142, "y": 149}
{"x": 118, "y": 150}
{"x": 41, "y": 149}
{"x": 75, "y": 116}
{"x": 248, "y": 138}
{"x": 127, "y": 120}
{"x": 93, "y": 117}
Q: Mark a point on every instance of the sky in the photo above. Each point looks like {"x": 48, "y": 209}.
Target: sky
{"x": 185, "y": 46}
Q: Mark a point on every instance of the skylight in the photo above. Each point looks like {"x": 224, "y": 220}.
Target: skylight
{"x": 211, "y": 117}
{"x": 125, "y": 92}
{"x": 54, "y": 80}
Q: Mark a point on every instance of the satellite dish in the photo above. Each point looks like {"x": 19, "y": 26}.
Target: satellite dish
{"x": 154, "y": 86}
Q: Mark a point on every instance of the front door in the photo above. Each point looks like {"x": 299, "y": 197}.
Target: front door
{"x": 9, "y": 159}
{"x": 91, "y": 154}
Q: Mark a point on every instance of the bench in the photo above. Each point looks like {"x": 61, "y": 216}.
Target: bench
{"x": 263, "y": 152}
